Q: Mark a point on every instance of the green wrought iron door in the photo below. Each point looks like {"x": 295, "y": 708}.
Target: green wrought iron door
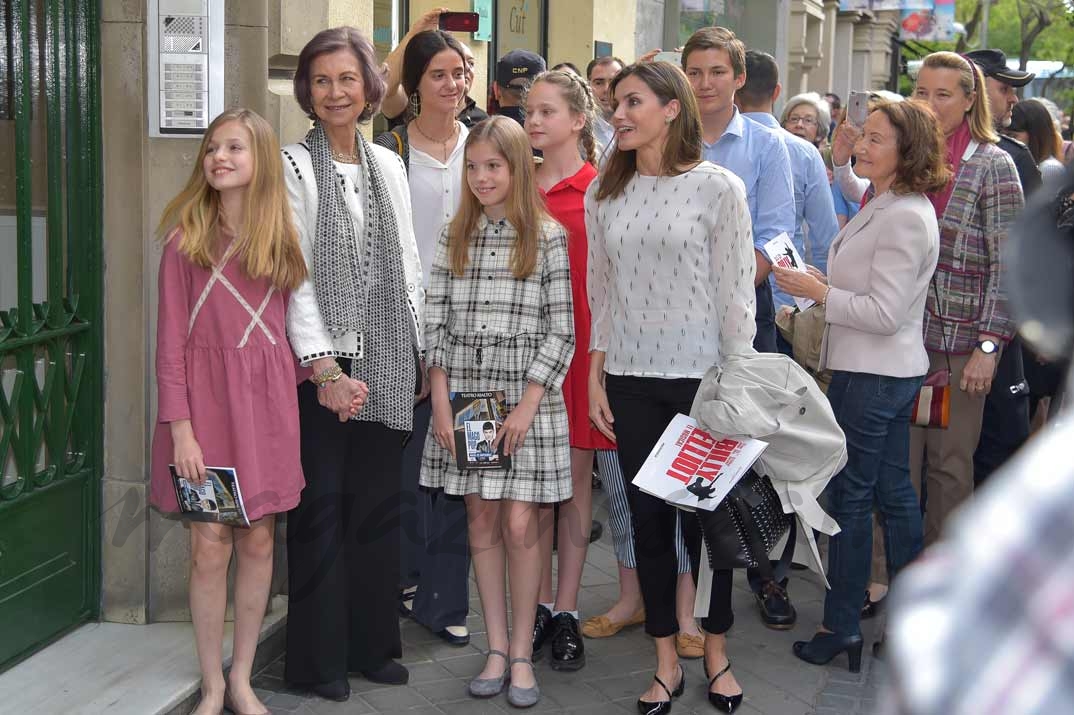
{"x": 50, "y": 321}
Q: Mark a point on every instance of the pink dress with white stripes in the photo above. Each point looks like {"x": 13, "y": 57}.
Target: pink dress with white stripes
{"x": 223, "y": 361}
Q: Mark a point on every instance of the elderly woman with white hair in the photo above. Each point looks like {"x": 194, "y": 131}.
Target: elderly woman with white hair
{"x": 807, "y": 116}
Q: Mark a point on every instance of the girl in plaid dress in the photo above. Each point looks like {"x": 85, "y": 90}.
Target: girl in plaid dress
{"x": 499, "y": 316}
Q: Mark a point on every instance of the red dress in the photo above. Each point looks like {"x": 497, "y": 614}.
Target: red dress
{"x": 566, "y": 203}
{"x": 224, "y": 363}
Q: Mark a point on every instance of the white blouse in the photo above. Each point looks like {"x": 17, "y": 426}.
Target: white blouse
{"x": 671, "y": 273}
{"x": 305, "y": 327}
{"x": 435, "y": 192}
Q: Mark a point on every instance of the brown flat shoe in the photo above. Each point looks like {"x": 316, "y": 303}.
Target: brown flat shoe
{"x": 689, "y": 646}
{"x": 604, "y": 627}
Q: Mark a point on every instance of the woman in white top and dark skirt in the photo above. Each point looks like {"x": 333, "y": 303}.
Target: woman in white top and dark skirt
{"x": 671, "y": 273}
{"x": 435, "y": 567}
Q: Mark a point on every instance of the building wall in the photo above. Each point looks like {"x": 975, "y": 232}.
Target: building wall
{"x": 146, "y": 555}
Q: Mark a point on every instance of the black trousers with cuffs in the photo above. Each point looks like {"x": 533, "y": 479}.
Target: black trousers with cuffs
{"x": 343, "y": 547}
{"x": 643, "y": 407}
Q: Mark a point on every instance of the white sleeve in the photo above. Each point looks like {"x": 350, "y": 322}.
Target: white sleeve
{"x": 598, "y": 278}
{"x": 733, "y": 269}
{"x": 852, "y": 185}
{"x": 305, "y": 328}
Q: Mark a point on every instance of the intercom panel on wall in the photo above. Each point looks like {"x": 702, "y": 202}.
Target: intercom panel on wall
{"x": 186, "y": 66}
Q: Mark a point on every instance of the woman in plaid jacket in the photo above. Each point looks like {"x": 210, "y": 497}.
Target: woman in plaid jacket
{"x": 966, "y": 316}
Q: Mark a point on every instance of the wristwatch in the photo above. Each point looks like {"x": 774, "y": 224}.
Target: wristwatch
{"x": 988, "y": 347}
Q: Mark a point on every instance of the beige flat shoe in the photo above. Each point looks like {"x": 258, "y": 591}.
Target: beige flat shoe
{"x": 604, "y": 627}
{"x": 689, "y": 646}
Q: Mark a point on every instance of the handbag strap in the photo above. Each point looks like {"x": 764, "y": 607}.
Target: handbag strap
{"x": 943, "y": 332}
{"x": 756, "y": 542}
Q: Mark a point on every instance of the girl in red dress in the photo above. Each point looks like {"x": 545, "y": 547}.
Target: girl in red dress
{"x": 226, "y": 380}
{"x": 560, "y": 112}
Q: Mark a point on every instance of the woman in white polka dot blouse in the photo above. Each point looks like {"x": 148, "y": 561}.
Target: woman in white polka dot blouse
{"x": 670, "y": 279}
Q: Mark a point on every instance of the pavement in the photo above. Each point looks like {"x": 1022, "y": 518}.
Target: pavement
{"x": 618, "y": 669}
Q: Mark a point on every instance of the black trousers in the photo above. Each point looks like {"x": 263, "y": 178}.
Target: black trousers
{"x": 643, "y": 407}
{"x": 765, "y": 317}
{"x": 435, "y": 544}
{"x": 1005, "y": 426}
{"x": 343, "y": 547}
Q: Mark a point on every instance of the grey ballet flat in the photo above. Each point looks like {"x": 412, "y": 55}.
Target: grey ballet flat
{"x": 490, "y": 687}
{"x": 523, "y": 697}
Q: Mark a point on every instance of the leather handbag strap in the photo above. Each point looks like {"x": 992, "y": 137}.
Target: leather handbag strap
{"x": 943, "y": 332}
{"x": 756, "y": 542}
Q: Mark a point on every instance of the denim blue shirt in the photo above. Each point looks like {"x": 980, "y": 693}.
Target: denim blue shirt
{"x": 842, "y": 206}
{"x": 813, "y": 205}
{"x": 758, "y": 156}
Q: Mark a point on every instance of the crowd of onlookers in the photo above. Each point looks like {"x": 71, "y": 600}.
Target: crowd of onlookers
{"x": 590, "y": 251}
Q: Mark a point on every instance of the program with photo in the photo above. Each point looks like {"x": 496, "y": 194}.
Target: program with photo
{"x": 479, "y": 416}
{"x": 217, "y": 499}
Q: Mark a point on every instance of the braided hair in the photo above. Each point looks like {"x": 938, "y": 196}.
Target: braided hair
{"x": 580, "y": 100}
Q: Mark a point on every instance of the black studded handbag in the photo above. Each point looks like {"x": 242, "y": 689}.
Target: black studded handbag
{"x": 742, "y": 531}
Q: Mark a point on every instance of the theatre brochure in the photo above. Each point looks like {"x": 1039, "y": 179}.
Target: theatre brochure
{"x": 782, "y": 253}
{"x": 690, "y": 468}
{"x": 217, "y": 499}
{"x": 479, "y": 416}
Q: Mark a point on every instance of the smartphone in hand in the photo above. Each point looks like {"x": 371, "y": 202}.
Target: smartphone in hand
{"x": 674, "y": 58}
{"x": 458, "y": 21}
{"x": 858, "y": 108}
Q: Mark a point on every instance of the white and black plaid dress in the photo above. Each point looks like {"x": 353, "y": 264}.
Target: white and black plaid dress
{"x": 489, "y": 330}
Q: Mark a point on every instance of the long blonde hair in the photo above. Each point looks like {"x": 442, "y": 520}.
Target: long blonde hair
{"x": 524, "y": 207}
{"x": 683, "y": 145}
{"x": 580, "y": 100}
{"x": 266, "y": 244}
{"x": 972, "y": 83}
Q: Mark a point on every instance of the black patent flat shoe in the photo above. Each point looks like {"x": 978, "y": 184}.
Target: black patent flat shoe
{"x": 336, "y": 690}
{"x": 543, "y": 625}
{"x": 663, "y": 706}
{"x": 723, "y": 703}
{"x": 825, "y": 646}
{"x": 568, "y": 648}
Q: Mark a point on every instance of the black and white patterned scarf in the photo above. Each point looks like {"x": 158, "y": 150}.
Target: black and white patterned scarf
{"x": 361, "y": 284}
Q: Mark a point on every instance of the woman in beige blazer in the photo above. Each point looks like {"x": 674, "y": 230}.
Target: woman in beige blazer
{"x": 880, "y": 267}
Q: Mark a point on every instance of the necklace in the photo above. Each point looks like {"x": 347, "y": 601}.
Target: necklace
{"x": 443, "y": 143}
{"x": 351, "y": 158}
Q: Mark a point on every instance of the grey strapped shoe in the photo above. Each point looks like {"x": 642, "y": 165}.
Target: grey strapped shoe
{"x": 523, "y": 697}
{"x": 490, "y": 687}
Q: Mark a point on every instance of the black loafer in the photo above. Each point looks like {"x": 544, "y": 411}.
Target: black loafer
{"x": 596, "y": 531}
{"x": 542, "y": 631}
{"x": 568, "y": 649}
{"x": 336, "y": 690}
{"x": 775, "y": 606}
{"x": 388, "y": 673}
{"x": 454, "y": 638}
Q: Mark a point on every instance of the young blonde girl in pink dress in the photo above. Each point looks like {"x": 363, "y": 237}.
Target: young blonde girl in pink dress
{"x": 226, "y": 380}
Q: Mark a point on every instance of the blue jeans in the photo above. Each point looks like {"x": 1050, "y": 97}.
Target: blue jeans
{"x": 874, "y": 412}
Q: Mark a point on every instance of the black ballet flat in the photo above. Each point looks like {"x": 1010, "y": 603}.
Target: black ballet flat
{"x": 825, "y": 646}
{"x": 723, "y": 703}
{"x": 663, "y": 706}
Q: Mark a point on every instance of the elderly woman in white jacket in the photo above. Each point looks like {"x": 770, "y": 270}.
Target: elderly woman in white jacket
{"x": 880, "y": 267}
{"x": 357, "y": 323}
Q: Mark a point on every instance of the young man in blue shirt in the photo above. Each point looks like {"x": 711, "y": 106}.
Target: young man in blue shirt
{"x": 714, "y": 61}
{"x": 813, "y": 205}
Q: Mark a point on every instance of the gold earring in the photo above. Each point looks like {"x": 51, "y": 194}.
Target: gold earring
{"x": 415, "y": 104}
{"x": 669, "y": 120}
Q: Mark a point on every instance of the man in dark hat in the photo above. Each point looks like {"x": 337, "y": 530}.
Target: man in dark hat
{"x": 514, "y": 72}
{"x": 1000, "y": 84}
{"x": 1005, "y": 426}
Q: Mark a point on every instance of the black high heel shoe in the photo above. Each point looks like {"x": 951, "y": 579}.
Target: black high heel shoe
{"x": 726, "y": 703}
{"x": 871, "y": 608}
{"x": 663, "y": 706}
{"x": 826, "y": 646}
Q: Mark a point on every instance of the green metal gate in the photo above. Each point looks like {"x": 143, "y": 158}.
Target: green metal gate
{"x": 50, "y": 321}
